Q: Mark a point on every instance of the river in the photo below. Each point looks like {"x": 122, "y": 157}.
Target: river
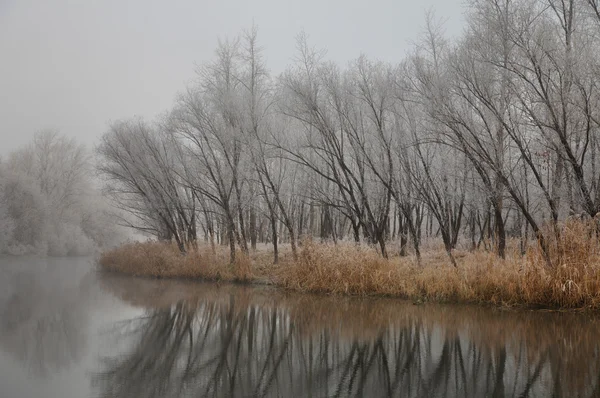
{"x": 67, "y": 330}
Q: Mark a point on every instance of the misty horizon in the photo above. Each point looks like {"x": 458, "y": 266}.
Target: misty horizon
{"x": 74, "y": 67}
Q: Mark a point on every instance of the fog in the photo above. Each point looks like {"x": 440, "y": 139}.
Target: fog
{"x": 75, "y": 65}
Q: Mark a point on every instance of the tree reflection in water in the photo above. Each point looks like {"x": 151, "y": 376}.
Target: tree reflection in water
{"x": 44, "y": 313}
{"x": 235, "y": 342}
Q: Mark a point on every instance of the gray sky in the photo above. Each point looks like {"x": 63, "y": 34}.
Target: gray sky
{"x": 75, "y": 65}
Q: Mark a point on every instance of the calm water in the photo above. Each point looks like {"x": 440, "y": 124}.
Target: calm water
{"x": 67, "y": 331}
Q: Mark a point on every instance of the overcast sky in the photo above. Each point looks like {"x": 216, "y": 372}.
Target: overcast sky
{"x": 75, "y": 65}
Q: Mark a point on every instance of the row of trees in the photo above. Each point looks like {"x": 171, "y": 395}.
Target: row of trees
{"x": 48, "y": 202}
{"x": 491, "y": 136}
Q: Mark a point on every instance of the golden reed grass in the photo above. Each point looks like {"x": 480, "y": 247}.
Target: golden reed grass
{"x": 163, "y": 260}
{"x": 572, "y": 282}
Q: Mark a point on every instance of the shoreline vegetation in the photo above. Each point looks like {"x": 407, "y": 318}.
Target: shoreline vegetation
{"x": 479, "y": 277}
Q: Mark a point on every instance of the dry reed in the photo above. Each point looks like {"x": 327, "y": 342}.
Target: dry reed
{"x": 348, "y": 269}
{"x": 163, "y": 260}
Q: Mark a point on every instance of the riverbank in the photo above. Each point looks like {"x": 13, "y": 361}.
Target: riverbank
{"x": 573, "y": 282}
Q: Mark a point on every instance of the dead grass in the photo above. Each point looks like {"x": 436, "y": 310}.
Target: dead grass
{"x": 481, "y": 277}
{"x": 347, "y": 269}
{"x": 160, "y": 260}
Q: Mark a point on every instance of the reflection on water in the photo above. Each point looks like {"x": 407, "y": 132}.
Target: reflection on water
{"x": 66, "y": 331}
{"x": 236, "y": 341}
{"x": 44, "y": 321}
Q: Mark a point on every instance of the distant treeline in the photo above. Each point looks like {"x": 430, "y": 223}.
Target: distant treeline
{"x": 48, "y": 202}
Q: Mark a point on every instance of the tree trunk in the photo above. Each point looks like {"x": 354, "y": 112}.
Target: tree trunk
{"x": 274, "y": 233}
{"x": 253, "y": 228}
{"x": 356, "y": 231}
{"x": 381, "y": 240}
{"x": 243, "y": 241}
{"x": 500, "y": 231}
{"x": 212, "y": 241}
{"x": 402, "y": 231}
{"x": 232, "y": 235}
{"x": 180, "y": 244}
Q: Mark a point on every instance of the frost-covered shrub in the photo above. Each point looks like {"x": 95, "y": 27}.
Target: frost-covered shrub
{"x": 68, "y": 240}
{"x": 48, "y": 203}
{"x": 99, "y": 223}
{"x": 25, "y": 207}
{"x": 7, "y": 224}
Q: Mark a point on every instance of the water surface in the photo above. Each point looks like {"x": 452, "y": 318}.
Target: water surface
{"x": 69, "y": 331}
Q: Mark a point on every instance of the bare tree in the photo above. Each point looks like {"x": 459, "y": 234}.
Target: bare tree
{"x": 140, "y": 168}
{"x": 320, "y": 101}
